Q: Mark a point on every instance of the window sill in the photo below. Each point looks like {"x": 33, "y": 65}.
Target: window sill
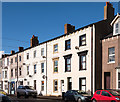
{"x": 111, "y": 62}
{"x": 67, "y": 49}
{"x": 82, "y": 69}
{"x": 82, "y": 45}
{"x": 67, "y": 71}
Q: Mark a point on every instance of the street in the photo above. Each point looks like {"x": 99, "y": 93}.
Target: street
{"x": 30, "y": 99}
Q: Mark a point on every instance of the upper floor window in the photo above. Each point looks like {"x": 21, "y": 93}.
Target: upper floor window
{"x": 82, "y": 40}
{"x": 20, "y": 71}
{"x": 15, "y": 72}
{"x": 34, "y": 53}
{"x": 7, "y": 61}
{"x": 42, "y": 51}
{"x": 55, "y": 65}
{"x": 11, "y": 60}
{"x": 15, "y": 59}
{"x": 27, "y": 55}
{"x": 27, "y": 70}
{"x": 68, "y": 63}
{"x": 5, "y": 74}
{"x": 35, "y": 70}
{"x": 111, "y": 54}
{"x": 19, "y": 58}
{"x": 11, "y": 72}
{"x": 2, "y": 74}
{"x": 67, "y": 44}
{"x": 116, "y": 28}
{"x": 42, "y": 67}
{"x": 82, "y": 60}
{"x": 55, "y": 49}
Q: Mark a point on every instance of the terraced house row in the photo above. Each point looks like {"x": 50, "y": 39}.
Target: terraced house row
{"x": 74, "y": 60}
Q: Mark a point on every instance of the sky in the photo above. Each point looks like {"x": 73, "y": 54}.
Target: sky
{"x": 21, "y": 20}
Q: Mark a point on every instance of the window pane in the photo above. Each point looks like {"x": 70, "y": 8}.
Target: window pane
{"x": 83, "y": 88}
{"x": 83, "y": 82}
{"x": 68, "y": 61}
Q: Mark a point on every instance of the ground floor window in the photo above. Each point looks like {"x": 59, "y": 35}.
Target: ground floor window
{"x": 35, "y": 84}
{"x": 119, "y": 80}
{"x": 69, "y": 80}
{"x": 42, "y": 85}
{"x": 6, "y": 87}
{"x": 82, "y": 84}
{"x": 55, "y": 85}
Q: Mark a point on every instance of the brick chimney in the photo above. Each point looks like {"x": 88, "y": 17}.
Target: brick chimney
{"x": 68, "y": 28}
{"x": 12, "y": 51}
{"x": 108, "y": 11}
{"x": 21, "y": 49}
{"x": 34, "y": 41}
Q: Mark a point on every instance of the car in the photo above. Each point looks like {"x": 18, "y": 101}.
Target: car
{"x": 3, "y": 92}
{"x": 77, "y": 96}
{"x": 26, "y": 91}
{"x": 4, "y": 98}
{"x": 106, "y": 96}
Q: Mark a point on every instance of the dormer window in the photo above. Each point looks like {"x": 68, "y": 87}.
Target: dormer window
{"x": 116, "y": 28}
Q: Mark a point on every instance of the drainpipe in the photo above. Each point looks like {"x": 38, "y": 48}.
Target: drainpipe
{"x": 17, "y": 72}
{"x": 46, "y": 68}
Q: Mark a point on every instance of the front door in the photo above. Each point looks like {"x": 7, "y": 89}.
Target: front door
{"x": 107, "y": 80}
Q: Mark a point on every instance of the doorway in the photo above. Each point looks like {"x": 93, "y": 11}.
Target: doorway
{"x": 106, "y": 80}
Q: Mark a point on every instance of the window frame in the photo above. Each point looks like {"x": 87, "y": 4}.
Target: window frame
{"x": 42, "y": 85}
{"x": 15, "y": 72}
{"x": 34, "y": 54}
{"x": 16, "y": 59}
{"x": 11, "y": 72}
{"x": 20, "y": 71}
{"x": 27, "y": 56}
{"x": 55, "y": 48}
{"x": 20, "y": 59}
{"x": 80, "y": 40}
{"x": 42, "y": 67}
{"x": 42, "y": 51}
{"x": 35, "y": 68}
{"x": 27, "y": 70}
{"x": 55, "y": 91}
{"x": 80, "y": 83}
{"x": 67, "y": 44}
{"x": 117, "y": 28}
{"x": 66, "y": 65}
{"x": 5, "y": 74}
{"x": 111, "y": 55}
{"x": 11, "y": 60}
{"x": 55, "y": 66}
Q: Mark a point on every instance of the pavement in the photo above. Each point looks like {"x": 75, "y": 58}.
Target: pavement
{"x": 44, "y": 97}
{"x": 50, "y": 97}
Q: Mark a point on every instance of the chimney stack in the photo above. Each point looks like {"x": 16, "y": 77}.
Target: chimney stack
{"x": 68, "y": 28}
{"x": 108, "y": 11}
{"x": 34, "y": 41}
{"x": 21, "y": 49}
{"x": 12, "y": 51}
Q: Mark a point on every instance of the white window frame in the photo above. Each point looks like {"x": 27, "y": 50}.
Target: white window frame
{"x": 111, "y": 55}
